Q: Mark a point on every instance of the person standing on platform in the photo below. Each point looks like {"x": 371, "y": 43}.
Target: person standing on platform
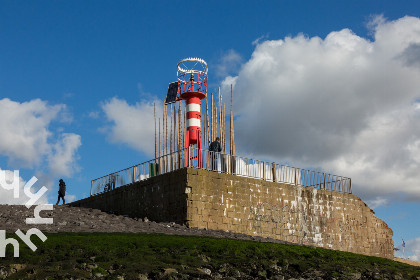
{"x": 214, "y": 148}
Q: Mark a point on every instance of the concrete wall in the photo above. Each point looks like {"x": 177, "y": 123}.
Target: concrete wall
{"x": 161, "y": 198}
{"x": 212, "y": 200}
{"x": 291, "y": 213}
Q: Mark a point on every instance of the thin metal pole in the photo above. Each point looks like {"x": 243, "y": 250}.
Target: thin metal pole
{"x": 208, "y": 126}
{"x": 212, "y": 119}
{"x": 224, "y": 128}
{"x": 163, "y": 140}
{"x": 232, "y": 130}
{"x": 170, "y": 135}
{"x": 221, "y": 120}
{"x": 184, "y": 126}
{"x": 160, "y": 146}
{"x": 91, "y": 187}
{"x": 166, "y": 130}
{"x": 215, "y": 121}
{"x": 154, "y": 111}
{"x": 220, "y": 115}
{"x": 179, "y": 134}
{"x": 175, "y": 130}
{"x": 203, "y": 126}
{"x": 163, "y": 130}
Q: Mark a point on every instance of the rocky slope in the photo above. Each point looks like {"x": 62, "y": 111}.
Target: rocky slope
{"x": 75, "y": 219}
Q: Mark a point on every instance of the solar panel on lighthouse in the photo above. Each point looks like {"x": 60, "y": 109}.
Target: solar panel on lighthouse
{"x": 172, "y": 93}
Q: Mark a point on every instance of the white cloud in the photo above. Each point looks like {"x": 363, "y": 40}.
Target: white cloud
{"x": 28, "y": 142}
{"x": 376, "y": 202}
{"x": 259, "y": 39}
{"x": 228, "y": 64}
{"x": 94, "y": 115}
{"x": 63, "y": 160}
{"x": 342, "y": 103}
{"x": 25, "y": 130}
{"x": 132, "y": 125}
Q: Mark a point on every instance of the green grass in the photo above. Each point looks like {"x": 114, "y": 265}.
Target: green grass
{"x": 82, "y": 255}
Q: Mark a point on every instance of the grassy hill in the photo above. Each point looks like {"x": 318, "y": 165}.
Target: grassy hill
{"x": 156, "y": 256}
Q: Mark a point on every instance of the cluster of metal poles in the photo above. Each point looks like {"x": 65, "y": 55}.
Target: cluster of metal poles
{"x": 170, "y": 128}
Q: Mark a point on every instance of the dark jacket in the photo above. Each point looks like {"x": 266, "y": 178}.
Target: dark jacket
{"x": 62, "y": 189}
{"x": 215, "y": 147}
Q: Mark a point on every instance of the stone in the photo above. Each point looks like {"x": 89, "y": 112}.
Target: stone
{"x": 169, "y": 271}
{"x": 91, "y": 266}
{"x": 204, "y": 271}
{"x": 3, "y": 273}
{"x": 356, "y": 275}
{"x": 142, "y": 277}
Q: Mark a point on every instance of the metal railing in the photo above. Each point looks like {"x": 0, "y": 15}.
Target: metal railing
{"x": 223, "y": 163}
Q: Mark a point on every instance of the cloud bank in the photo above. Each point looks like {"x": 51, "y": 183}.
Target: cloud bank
{"x": 132, "y": 125}
{"x": 343, "y": 103}
{"x": 28, "y": 142}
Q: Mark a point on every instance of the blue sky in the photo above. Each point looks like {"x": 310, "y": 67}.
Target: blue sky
{"x": 69, "y": 71}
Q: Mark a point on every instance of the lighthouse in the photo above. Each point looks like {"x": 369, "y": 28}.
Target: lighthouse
{"x": 192, "y": 87}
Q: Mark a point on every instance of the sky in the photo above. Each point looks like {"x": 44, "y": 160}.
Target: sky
{"x": 328, "y": 85}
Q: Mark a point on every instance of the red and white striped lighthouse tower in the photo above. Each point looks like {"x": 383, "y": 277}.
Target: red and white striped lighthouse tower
{"x": 192, "y": 87}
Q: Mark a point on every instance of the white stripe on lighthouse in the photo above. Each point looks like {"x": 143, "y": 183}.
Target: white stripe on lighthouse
{"x": 193, "y": 107}
{"x": 193, "y": 122}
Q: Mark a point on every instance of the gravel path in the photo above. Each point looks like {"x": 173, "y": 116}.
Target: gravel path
{"x": 76, "y": 219}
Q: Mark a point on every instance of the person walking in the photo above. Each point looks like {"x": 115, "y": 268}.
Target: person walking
{"x": 214, "y": 148}
{"x": 61, "y": 191}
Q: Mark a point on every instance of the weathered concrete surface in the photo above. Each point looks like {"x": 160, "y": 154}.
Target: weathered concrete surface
{"x": 217, "y": 201}
{"x": 161, "y": 199}
{"x": 78, "y": 219}
{"x": 291, "y": 213}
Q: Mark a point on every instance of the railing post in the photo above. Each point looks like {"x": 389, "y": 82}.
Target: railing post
{"x": 264, "y": 171}
{"x": 274, "y": 172}
{"x": 351, "y": 187}
{"x": 91, "y": 187}
{"x": 134, "y": 175}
